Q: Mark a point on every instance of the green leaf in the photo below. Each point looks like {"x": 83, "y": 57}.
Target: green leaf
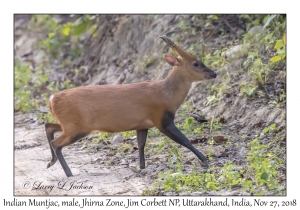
{"x": 256, "y": 22}
{"x": 44, "y": 78}
{"x": 275, "y": 59}
{"x": 260, "y": 80}
{"x": 257, "y": 62}
{"x": 66, "y": 31}
{"x": 248, "y": 183}
{"x": 279, "y": 45}
{"x": 80, "y": 28}
{"x": 214, "y": 17}
{"x": 269, "y": 20}
{"x": 245, "y": 16}
{"x": 264, "y": 176}
{"x": 278, "y": 161}
{"x": 269, "y": 36}
{"x": 51, "y": 35}
{"x": 266, "y": 130}
{"x": 266, "y": 18}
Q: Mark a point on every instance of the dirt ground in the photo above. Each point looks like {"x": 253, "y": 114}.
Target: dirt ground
{"x": 90, "y": 177}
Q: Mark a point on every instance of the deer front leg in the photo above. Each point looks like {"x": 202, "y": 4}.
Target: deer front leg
{"x": 170, "y": 130}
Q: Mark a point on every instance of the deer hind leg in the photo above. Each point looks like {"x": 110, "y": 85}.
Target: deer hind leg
{"x": 51, "y": 128}
{"x": 62, "y": 141}
{"x": 141, "y": 139}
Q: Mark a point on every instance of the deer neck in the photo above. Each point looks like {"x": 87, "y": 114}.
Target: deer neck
{"x": 176, "y": 86}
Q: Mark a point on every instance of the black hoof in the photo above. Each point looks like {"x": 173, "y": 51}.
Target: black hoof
{"x": 51, "y": 163}
{"x": 205, "y": 164}
{"x": 68, "y": 175}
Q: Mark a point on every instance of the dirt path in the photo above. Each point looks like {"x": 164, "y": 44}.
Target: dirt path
{"x": 90, "y": 177}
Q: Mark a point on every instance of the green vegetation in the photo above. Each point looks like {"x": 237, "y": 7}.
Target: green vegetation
{"x": 60, "y": 37}
{"x": 189, "y": 182}
{"x": 271, "y": 128}
{"x": 280, "y": 50}
{"x": 128, "y": 134}
{"x": 125, "y": 147}
{"x": 22, "y": 91}
{"x": 248, "y": 90}
{"x": 257, "y": 177}
{"x": 211, "y": 100}
{"x": 191, "y": 127}
{"x": 263, "y": 53}
{"x": 216, "y": 60}
{"x": 174, "y": 154}
{"x": 104, "y": 135}
{"x": 263, "y": 166}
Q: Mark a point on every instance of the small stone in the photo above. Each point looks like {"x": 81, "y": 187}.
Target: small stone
{"x": 234, "y": 52}
{"x": 197, "y": 193}
{"x": 123, "y": 162}
{"x": 117, "y": 139}
{"x": 228, "y": 100}
{"x": 218, "y": 151}
{"x": 95, "y": 160}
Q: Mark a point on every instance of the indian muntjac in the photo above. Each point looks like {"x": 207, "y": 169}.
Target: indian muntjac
{"x": 117, "y": 108}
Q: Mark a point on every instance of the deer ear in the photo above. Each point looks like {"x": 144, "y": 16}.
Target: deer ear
{"x": 171, "y": 60}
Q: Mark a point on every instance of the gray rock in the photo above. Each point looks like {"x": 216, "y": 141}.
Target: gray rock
{"x": 256, "y": 30}
{"x": 234, "y": 52}
{"x": 117, "y": 139}
{"x": 124, "y": 162}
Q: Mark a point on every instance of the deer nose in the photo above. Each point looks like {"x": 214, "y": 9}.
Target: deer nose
{"x": 210, "y": 74}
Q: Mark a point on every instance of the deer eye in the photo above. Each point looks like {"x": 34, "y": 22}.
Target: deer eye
{"x": 196, "y": 65}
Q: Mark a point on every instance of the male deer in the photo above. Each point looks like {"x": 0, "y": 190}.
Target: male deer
{"x": 117, "y": 108}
